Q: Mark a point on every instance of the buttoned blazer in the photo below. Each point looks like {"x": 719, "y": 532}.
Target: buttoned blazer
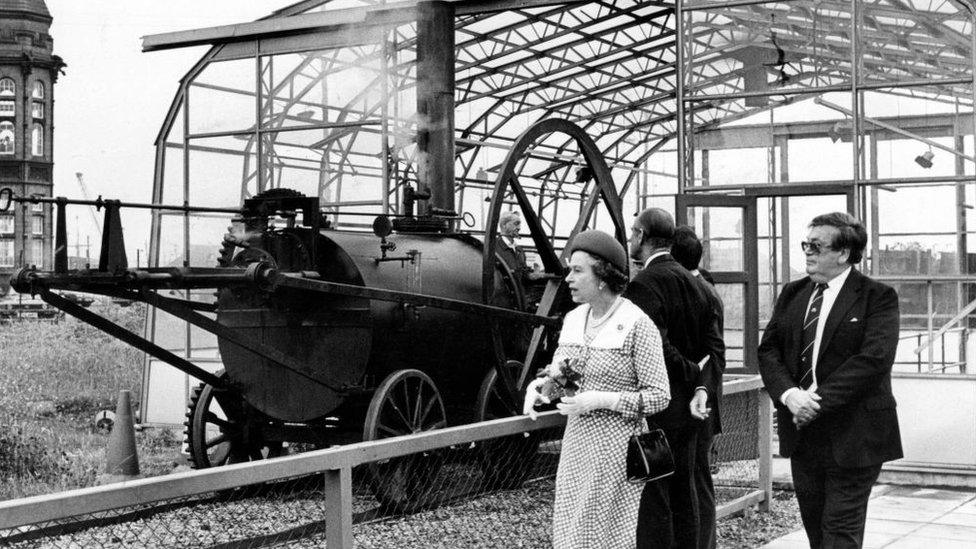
{"x": 857, "y": 351}
{"x": 675, "y": 300}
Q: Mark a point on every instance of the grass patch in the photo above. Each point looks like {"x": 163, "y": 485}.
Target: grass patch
{"x": 54, "y": 377}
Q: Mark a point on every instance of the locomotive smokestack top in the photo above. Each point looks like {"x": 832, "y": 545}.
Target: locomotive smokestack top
{"x": 435, "y": 102}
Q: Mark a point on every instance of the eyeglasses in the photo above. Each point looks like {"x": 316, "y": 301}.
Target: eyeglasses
{"x": 813, "y": 248}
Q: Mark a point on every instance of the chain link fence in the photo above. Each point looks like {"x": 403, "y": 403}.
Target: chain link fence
{"x": 481, "y": 485}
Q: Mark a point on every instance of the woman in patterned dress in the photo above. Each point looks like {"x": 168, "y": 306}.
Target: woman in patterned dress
{"x": 617, "y": 350}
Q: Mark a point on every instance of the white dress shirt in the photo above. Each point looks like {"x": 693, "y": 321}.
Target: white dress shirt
{"x": 829, "y": 297}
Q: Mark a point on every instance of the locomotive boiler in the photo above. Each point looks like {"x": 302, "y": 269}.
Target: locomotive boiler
{"x": 328, "y": 336}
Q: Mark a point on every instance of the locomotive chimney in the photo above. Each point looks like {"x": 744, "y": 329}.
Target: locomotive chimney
{"x": 435, "y": 101}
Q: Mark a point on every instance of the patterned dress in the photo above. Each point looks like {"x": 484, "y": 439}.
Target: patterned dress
{"x": 595, "y": 506}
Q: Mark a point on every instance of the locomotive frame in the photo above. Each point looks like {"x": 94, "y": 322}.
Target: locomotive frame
{"x": 408, "y": 400}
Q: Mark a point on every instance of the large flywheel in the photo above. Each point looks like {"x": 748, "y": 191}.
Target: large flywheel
{"x": 598, "y": 189}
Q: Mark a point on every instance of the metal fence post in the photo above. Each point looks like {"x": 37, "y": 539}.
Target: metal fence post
{"x": 338, "y": 508}
{"x": 765, "y": 450}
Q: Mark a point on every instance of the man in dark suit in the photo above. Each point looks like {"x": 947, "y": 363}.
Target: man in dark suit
{"x": 530, "y": 279}
{"x": 676, "y": 302}
{"x": 509, "y": 225}
{"x": 826, "y": 359}
{"x": 687, "y": 251}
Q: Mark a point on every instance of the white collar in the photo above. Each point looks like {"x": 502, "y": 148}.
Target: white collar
{"x": 654, "y": 256}
{"x": 837, "y": 282}
{"x": 611, "y": 334}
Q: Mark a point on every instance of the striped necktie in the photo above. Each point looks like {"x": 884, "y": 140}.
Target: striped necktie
{"x": 810, "y": 336}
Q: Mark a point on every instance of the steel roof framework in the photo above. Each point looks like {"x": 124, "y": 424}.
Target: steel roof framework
{"x": 610, "y": 66}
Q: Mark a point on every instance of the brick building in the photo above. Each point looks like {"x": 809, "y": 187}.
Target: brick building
{"x": 28, "y": 72}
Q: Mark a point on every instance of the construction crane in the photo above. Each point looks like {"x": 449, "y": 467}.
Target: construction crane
{"x": 91, "y": 209}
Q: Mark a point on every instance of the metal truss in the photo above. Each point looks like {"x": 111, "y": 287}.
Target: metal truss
{"x": 609, "y": 66}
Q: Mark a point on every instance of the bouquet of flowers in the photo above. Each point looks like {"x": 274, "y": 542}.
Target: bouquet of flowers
{"x": 565, "y": 383}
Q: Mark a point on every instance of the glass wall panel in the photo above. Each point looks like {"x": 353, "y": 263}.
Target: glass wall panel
{"x": 221, "y": 97}
{"x": 780, "y": 141}
{"x": 911, "y": 242}
{"x": 720, "y": 231}
{"x": 221, "y": 169}
{"x": 733, "y": 298}
{"x": 171, "y": 244}
{"x": 172, "y": 176}
{"x": 206, "y": 236}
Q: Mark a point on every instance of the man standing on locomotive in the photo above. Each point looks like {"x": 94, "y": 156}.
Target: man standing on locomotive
{"x": 677, "y": 303}
{"x": 531, "y": 278}
{"x": 509, "y": 225}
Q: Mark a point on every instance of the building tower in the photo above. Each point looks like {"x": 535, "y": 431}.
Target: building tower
{"x": 28, "y": 71}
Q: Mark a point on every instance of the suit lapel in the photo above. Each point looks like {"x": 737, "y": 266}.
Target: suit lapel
{"x": 797, "y": 312}
{"x": 845, "y": 300}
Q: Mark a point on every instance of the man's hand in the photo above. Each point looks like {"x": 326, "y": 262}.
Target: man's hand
{"x": 587, "y": 401}
{"x": 533, "y": 397}
{"x": 699, "y": 405}
{"x": 804, "y": 406}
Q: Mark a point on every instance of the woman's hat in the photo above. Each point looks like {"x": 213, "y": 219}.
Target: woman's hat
{"x": 602, "y": 245}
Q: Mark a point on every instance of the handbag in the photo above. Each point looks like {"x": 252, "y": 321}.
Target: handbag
{"x": 649, "y": 457}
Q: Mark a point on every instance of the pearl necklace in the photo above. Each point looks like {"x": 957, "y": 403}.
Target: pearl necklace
{"x": 594, "y": 322}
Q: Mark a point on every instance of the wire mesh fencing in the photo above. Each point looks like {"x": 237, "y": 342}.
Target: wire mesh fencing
{"x": 480, "y": 493}
{"x": 481, "y": 485}
{"x": 737, "y": 453}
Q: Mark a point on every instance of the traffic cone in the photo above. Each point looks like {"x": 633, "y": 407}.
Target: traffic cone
{"x": 123, "y": 460}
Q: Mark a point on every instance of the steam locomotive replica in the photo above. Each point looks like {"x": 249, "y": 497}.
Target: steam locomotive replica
{"x": 329, "y": 336}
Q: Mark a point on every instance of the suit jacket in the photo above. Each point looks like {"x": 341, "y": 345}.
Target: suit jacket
{"x": 857, "y": 350}
{"x": 511, "y": 255}
{"x": 676, "y": 302}
{"x": 713, "y": 379}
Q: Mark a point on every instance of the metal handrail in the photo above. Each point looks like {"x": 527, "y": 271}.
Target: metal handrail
{"x": 336, "y": 464}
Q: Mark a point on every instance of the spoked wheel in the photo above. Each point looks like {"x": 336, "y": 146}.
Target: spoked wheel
{"x": 406, "y": 402}
{"x": 219, "y": 432}
{"x": 506, "y": 462}
{"x": 596, "y": 185}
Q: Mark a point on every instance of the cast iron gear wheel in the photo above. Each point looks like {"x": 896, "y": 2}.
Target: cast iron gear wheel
{"x": 220, "y": 431}
{"x": 228, "y": 248}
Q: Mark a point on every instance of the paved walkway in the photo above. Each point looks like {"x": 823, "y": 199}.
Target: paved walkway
{"x": 907, "y": 517}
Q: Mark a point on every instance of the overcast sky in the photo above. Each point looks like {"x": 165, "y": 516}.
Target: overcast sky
{"x": 111, "y": 100}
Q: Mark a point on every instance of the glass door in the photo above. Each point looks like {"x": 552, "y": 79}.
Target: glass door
{"x": 726, "y": 226}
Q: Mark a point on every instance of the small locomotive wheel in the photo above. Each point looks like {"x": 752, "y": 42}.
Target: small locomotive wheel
{"x": 406, "y": 402}
{"x": 506, "y": 462}
{"x": 218, "y": 432}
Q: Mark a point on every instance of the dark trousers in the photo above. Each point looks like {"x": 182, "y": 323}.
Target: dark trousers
{"x": 704, "y": 489}
{"x": 833, "y": 500}
{"x": 668, "y": 514}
